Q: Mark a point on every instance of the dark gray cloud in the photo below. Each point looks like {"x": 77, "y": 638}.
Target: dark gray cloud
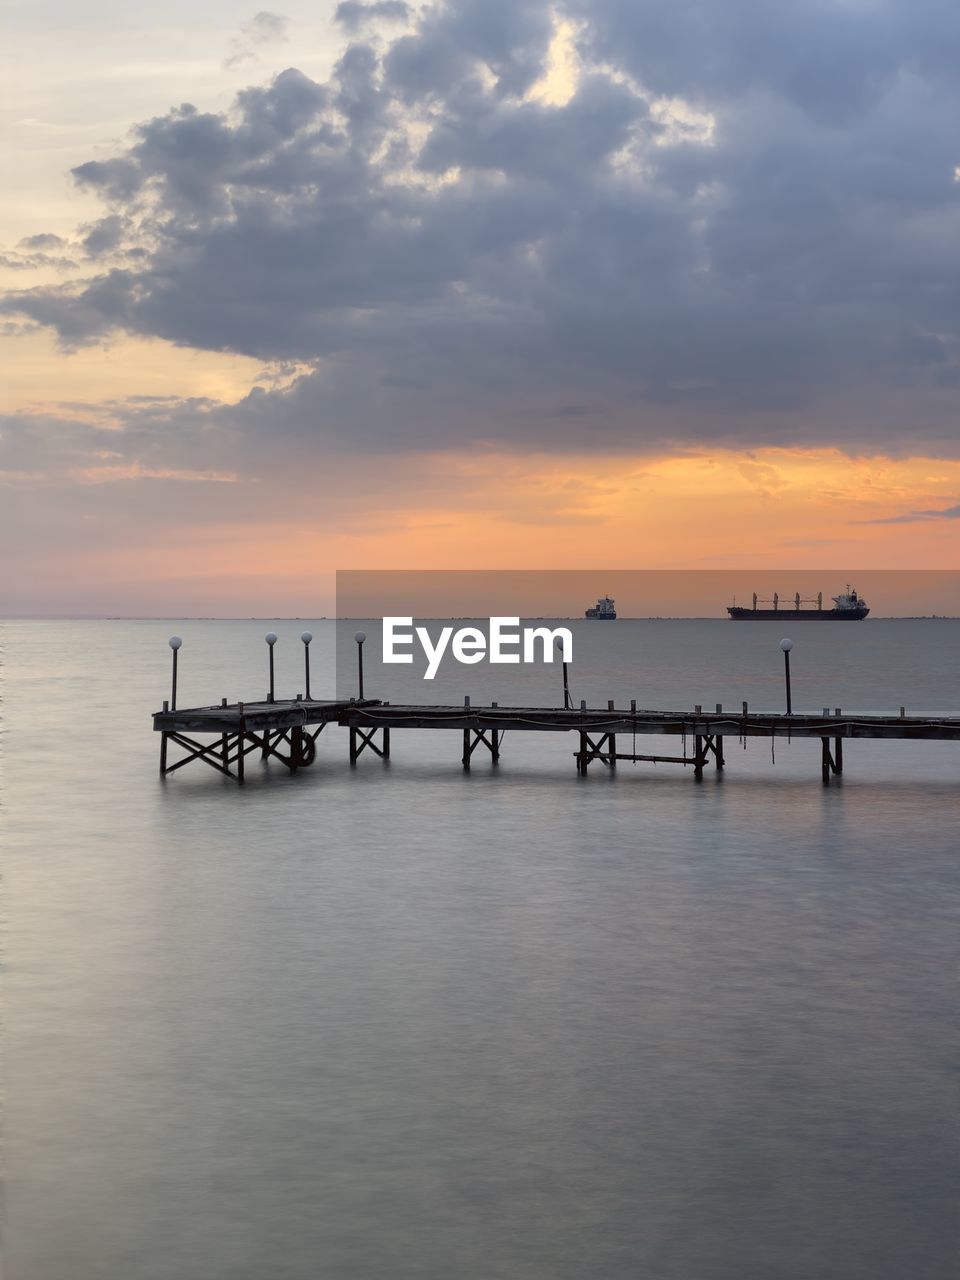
{"x": 506, "y": 39}
{"x": 831, "y": 58}
{"x": 104, "y": 236}
{"x": 43, "y": 241}
{"x": 773, "y": 256}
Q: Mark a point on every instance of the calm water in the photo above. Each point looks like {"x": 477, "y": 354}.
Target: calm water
{"x": 398, "y": 1022}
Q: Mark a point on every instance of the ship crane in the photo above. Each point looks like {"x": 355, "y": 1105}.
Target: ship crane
{"x": 797, "y": 600}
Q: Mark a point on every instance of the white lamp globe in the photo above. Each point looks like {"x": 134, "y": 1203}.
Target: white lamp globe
{"x": 306, "y": 636}
{"x": 271, "y": 638}
{"x": 786, "y": 645}
{"x": 175, "y": 642}
{"x": 360, "y": 636}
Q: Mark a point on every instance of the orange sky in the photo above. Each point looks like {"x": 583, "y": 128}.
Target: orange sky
{"x": 639, "y": 593}
{"x": 288, "y": 531}
{"x": 764, "y": 509}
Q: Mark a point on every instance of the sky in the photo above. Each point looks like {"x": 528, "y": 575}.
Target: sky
{"x": 477, "y": 284}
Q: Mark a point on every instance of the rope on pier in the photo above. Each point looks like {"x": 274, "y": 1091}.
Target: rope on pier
{"x": 830, "y": 727}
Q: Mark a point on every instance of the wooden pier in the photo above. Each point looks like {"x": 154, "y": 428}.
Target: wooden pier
{"x": 288, "y": 731}
{"x": 285, "y": 730}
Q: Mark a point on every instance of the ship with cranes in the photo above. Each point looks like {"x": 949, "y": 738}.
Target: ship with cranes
{"x": 848, "y": 606}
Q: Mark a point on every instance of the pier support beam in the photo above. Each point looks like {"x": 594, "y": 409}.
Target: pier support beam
{"x": 241, "y": 739}
{"x": 362, "y": 739}
{"x": 604, "y": 749}
{"x": 703, "y": 745}
{"x": 269, "y": 742}
{"x": 220, "y": 754}
{"x": 490, "y": 738}
{"x": 830, "y": 763}
{"x": 164, "y": 736}
{"x": 711, "y": 742}
{"x": 227, "y": 752}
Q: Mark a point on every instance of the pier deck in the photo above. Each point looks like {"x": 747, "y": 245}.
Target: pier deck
{"x": 227, "y": 717}
{"x": 288, "y": 730}
{"x": 674, "y": 723}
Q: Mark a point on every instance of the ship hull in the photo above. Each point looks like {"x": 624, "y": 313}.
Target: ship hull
{"x": 739, "y": 614}
{"x": 600, "y": 617}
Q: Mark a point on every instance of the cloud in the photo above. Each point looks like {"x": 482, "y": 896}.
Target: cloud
{"x": 352, "y": 14}
{"x": 263, "y": 28}
{"x": 113, "y": 473}
{"x": 42, "y": 242}
{"x": 104, "y": 236}
{"x": 456, "y": 259}
{"x": 18, "y": 261}
{"x": 455, "y": 42}
{"x": 37, "y": 251}
{"x": 912, "y": 517}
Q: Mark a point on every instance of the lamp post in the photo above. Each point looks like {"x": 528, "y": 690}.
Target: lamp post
{"x": 567, "y": 704}
{"x": 175, "y": 642}
{"x": 306, "y": 637}
{"x": 786, "y": 646}
{"x": 271, "y": 640}
{"x": 360, "y": 636}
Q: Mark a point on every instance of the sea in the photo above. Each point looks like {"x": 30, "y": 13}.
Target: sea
{"x": 403, "y": 1022}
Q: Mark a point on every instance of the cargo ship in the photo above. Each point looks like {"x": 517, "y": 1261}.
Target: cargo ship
{"x": 847, "y": 607}
{"x": 605, "y": 608}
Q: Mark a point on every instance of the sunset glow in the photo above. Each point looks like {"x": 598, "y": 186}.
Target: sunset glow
{"x": 793, "y": 508}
